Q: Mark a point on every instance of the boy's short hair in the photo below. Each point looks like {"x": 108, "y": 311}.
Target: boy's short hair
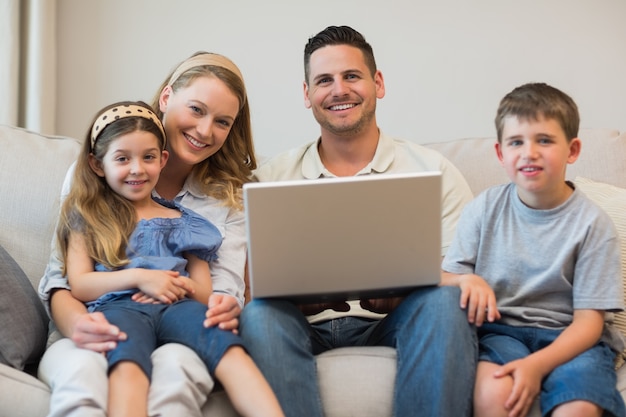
{"x": 539, "y": 100}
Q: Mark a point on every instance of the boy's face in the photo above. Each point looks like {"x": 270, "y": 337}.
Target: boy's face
{"x": 535, "y": 154}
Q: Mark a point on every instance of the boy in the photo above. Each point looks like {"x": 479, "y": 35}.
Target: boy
{"x": 550, "y": 258}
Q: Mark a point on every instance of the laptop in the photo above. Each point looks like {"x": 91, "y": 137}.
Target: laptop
{"x": 329, "y": 239}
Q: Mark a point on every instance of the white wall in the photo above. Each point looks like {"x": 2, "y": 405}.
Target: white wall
{"x": 446, "y": 63}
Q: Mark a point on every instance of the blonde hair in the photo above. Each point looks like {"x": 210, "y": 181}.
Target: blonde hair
{"x": 104, "y": 218}
{"x": 223, "y": 174}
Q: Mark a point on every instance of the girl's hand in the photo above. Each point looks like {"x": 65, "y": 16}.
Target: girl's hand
{"x": 223, "y": 312}
{"x": 479, "y": 299}
{"x": 164, "y": 286}
{"x": 526, "y": 385}
{"x": 142, "y": 297}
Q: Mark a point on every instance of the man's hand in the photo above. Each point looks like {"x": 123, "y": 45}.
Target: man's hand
{"x": 93, "y": 331}
{"x": 310, "y": 309}
{"x": 223, "y": 312}
{"x": 381, "y": 305}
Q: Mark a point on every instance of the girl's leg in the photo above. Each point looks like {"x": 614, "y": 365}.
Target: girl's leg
{"x": 180, "y": 382}
{"x": 246, "y": 387}
{"x": 490, "y": 393}
{"x": 223, "y": 355}
{"x": 128, "y": 391}
{"x": 577, "y": 409}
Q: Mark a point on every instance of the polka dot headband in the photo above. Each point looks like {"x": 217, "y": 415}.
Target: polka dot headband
{"x": 120, "y": 112}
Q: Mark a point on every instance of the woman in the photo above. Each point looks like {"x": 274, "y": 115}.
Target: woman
{"x": 204, "y": 108}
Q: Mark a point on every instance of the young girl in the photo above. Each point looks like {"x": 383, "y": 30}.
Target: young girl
{"x": 116, "y": 240}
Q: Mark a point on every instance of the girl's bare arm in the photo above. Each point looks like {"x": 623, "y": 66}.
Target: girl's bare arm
{"x": 88, "y": 285}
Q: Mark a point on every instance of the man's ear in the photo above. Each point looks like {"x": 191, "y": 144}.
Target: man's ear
{"x": 96, "y": 166}
{"x": 307, "y": 102}
{"x": 380, "y": 84}
{"x": 164, "y": 98}
{"x": 575, "y": 146}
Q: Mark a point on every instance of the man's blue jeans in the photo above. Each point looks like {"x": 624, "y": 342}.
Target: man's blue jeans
{"x": 436, "y": 352}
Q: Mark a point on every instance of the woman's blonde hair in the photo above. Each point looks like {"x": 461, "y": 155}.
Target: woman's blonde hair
{"x": 104, "y": 218}
{"x": 223, "y": 174}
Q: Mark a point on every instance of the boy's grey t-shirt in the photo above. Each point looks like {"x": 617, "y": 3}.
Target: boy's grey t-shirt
{"x": 541, "y": 264}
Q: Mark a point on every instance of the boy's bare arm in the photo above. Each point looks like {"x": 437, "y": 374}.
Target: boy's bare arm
{"x": 582, "y": 334}
{"x": 527, "y": 373}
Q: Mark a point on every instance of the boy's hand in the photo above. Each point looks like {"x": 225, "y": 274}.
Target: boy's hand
{"x": 527, "y": 378}
{"x": 479, "y": 299}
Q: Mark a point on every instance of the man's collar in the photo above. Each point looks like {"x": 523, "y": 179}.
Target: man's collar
{"x": 312, "y": 166}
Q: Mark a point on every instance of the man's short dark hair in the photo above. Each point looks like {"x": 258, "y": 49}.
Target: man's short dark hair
{"x": 338, "y": 35}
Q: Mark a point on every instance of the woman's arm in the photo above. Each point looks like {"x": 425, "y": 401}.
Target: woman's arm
{"x": 87, "y": 331}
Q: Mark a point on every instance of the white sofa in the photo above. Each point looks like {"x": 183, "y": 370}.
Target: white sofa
{"x": 354, "y": 381}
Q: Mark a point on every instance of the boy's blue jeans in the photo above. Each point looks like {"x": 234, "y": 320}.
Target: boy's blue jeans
{"x": 589, "y": 376}
{"x": 436, "y": 352}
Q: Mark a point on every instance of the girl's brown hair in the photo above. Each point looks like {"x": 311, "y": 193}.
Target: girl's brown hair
{"x": 104, "y": 218}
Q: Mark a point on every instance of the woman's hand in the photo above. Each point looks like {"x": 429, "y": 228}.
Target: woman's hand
{"x": 223, "y": 312}
{"x": 92, "y": 331}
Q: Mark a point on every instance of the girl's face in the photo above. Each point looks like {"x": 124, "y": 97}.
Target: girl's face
{"x": 132, "y": 165}
{"x": 198, "y": 118}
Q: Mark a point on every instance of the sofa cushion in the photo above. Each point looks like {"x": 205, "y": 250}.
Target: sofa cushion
{"x": 32, "y": 168}
{"x": 24, "y": 322}
{"x": 365, "y": 372}
{"x": 613, "y": 200}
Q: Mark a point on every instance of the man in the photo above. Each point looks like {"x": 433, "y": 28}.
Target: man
{"x": 436, "y": 376}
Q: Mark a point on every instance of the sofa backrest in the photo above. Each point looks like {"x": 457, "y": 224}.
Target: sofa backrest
{"x": 603, "y": 159}
{"x": 32, "y": 168}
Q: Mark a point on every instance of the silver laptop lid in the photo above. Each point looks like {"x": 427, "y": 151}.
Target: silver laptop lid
{"x": 349, "y": 237}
